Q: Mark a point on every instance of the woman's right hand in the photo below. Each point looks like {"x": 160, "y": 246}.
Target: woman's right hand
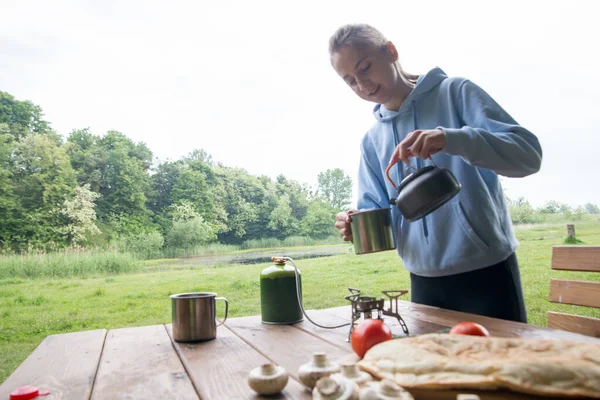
{"x": 342, "y": 224}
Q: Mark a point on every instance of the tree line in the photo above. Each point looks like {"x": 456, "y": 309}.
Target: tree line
{"x": 522, "y": 212}
{"x": 95, "y": 189}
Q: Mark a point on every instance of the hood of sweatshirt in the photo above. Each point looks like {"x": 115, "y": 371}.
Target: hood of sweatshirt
{"x": 425, "y": 83}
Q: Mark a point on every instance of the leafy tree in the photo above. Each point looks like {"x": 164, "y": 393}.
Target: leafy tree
{"x": 579, "y": 212}
{"x": 21, "y": 117}
{"x": 187, "y": 234}
{"x": 7, "y": 191}
{"x": 42, "y": 179}
{"x": 297, "y": 194}
{"x": 201, "y": 158}
{"x": 336, "y": 188}
{"x": 281, "y": 219}
{"x": 117, "y": 168}
{"x": 184, "y": 211}
{"x": 80, "y": 215}
{"x": 551, "y": 207}
{"x": 591, "y": 208}
{"x": 190, "y": 179}
{"x": 238, "y": 200}
{"x": 192, "y": 186}
{"x": 189, "y": 228}
{"x": 565, "y": 209}
{"x": 319, "y": 220}
{"x": 160, "y": 197}
{"x": 87, "y": 158}
{"x": 162, "y": 181}
{"x": 522, "y": 212}
{"x": 126, "y": 225}
{"x": 264, "y": 200}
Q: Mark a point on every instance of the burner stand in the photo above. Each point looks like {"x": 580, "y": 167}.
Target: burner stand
{"x": 366, "y": 307}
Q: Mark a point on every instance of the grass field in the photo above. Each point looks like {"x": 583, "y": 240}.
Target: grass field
{"x": 110, "y": 297}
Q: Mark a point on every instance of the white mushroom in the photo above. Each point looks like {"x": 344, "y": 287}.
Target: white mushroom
{"x": 317, "y": 368}
{"x": 268, "y": 379}
{"x": 351, "y": 371}
{"x": 335, "y": 388}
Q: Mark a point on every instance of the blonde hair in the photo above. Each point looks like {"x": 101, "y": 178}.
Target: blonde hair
{"x": 363, "y": 36}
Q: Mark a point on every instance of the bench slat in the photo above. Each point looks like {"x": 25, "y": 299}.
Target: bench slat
{"x": 579, "y": 293}
{"x": 574, "y": 323}
{"x": 576, "y": 258}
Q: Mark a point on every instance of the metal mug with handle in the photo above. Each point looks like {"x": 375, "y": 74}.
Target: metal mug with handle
{"x": 372, "y": 230}
{"x": 194, "y": 316}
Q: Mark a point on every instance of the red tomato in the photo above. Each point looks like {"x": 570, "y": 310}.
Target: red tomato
{"x": 469, "y": 328}
{"x": 367, "y": 334}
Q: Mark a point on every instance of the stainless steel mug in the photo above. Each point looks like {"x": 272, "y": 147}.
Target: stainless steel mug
{"x": 194, "y": 316}
{"x": 372, "y": 231}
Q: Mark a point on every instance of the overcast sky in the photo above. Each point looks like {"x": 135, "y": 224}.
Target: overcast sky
{"x": 250, "y": 81}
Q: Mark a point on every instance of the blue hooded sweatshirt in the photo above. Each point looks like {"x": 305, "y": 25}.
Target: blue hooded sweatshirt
{"x": 474, "y": 229}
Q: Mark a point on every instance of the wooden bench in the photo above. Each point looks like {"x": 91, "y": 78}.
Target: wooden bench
{"x": 580, "y": 293}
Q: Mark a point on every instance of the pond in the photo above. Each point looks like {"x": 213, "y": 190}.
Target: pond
{"x": 260, "y": 256}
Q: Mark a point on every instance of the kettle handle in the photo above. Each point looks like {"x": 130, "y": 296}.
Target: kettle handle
{"x": 387, "y": 173}
{"x": 387, "y": 170}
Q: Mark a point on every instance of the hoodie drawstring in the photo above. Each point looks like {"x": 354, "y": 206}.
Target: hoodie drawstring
{"x": 400, "y": 174}
{"x": 396, "y": 142}
{"x": 424, "y": 219}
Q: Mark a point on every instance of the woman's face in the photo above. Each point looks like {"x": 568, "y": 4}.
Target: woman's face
{"x": 371, "y": 73}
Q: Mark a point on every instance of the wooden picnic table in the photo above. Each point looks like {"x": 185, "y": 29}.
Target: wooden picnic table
{"x": 145, "y": 363}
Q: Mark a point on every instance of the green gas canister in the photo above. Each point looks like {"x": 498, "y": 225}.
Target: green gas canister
{"x": 278, "y": 294}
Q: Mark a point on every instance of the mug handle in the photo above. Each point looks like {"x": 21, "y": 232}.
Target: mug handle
{"x": 226, "y": 309}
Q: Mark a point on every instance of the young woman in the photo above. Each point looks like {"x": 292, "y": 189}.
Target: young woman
{"x": 461, "y": 256}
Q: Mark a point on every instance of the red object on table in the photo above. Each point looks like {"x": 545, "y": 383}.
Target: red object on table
{"x": 469, "y": 328}
{"x": 367, "y": 334}
{"x": 27, "y": 392}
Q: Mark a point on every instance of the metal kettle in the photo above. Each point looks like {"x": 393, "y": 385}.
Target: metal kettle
{"x": 424, "y": 191}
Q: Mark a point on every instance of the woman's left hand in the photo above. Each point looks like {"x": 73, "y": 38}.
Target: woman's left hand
{"x": 419, "y": 143}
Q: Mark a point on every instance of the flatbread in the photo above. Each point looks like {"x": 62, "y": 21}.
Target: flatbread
{"x": 444, "y": 361}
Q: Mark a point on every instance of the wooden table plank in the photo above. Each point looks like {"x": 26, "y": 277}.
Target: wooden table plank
{"x": 141, "y": 363}
{"x": 339, "y": 315}
{"x": 415, "y": 326}
{"x": 64, "y": 364}
{"x": 219, "y": 368}
{"x": 291, "y": 347}
{"x": 336, "y": 337}
{"x": 496, "y": 327}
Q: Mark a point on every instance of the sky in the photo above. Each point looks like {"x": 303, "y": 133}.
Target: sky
{"x": 250, "y": 82}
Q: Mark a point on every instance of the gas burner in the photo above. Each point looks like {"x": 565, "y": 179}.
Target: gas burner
{"x": 367, "y": 306}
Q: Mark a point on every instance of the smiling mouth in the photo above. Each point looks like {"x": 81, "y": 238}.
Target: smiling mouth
{"x": 374, "y": 91}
